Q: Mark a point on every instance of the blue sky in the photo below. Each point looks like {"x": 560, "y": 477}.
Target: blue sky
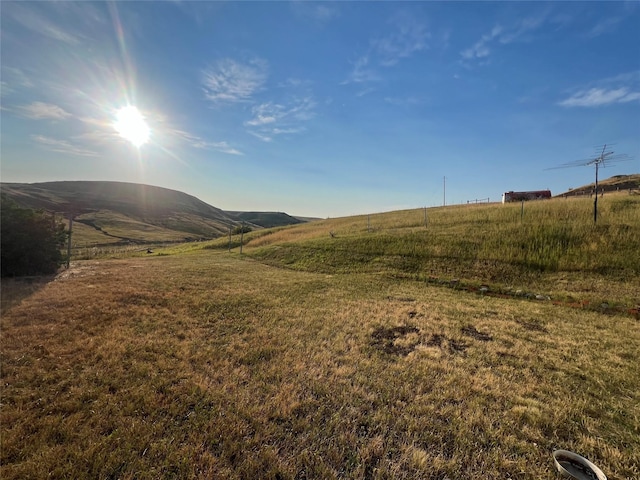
{"x": 321, "y": 108}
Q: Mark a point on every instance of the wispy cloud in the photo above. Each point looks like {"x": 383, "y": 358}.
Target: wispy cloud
{"x": 295, "y": 83}
{"x": 262, "y": 136}
{"x": 62, "y": 146}
{"x": 41, "y": 110}
{"x": 320, "y": 12}
{"x": 223, "y": 147}
{"x": 272, "y": 119}
{"x": 5, "y": 89}
{"x": 596, "y": 97}
{"x": 520, "y": 30}
{"x": 407, "y": 37}
{"x": 499, "y": 34}
{"x": 231, "y": 81}
{"x": 199, "y": 143}
{"x": 366, "y": 91}
{"x": 622, "y": 88}
{"x": 29, "y": 18}
{"x": 97, "y": 137}
{"x": 606, "y": 25}
{"x": 404, "y": 101}
{"x": 14, "y": 77}
{"x": 362, "y": 72}
{"x": 481, "y": 48}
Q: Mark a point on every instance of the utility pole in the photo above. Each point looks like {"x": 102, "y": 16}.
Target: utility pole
{"x": 595, "y": 201}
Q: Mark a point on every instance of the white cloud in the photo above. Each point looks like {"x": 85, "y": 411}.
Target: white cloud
{"x": 266, "y": 113}
{"x": 621, "y": 88}
{"x": 366, "y": 91}
{"x": 62, "y": 146}
{"x": 281, "y": 131}
{"x": 408, "y": 38}
{"x": 596, "y": 97}
{"x": 480, "y": 48}
{"x": 41, "y": 110}
{"x": 261, "y": 136}
{"x": 232, "y": 81}
{"x": 272, "y": 119}
{"x": 520, "y": 30}
{"x": 199, "y": 143}
{"x": 503, "y": 35}
{"x": 362, "y": 72}
{"x": 223, "y": 147}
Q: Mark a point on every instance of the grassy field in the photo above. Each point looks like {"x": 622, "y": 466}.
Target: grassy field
{"x": 345, "y": 356}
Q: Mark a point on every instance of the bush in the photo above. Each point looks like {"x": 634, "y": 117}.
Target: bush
{"x": 241, "y": 229}
{"x": 31, "y": 241}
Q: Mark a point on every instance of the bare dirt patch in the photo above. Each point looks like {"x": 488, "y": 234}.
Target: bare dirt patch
{"x": 470, "y": 331}
{"x": 457, "y": 346}
{"x": 532, "y": 325}
{"x": 436, "y": 340}
{"x": 396, "y": 340}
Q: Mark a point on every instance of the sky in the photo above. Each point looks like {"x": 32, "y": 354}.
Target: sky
{"x": 321, "y": 109}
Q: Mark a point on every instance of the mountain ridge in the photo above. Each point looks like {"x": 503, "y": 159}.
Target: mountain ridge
{"x": 108, "y": 212}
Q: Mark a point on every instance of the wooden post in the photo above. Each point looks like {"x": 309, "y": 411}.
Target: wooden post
{"x": 241, "y": 236}
{"x": 69, "y": 239}
{"x": 521, "y": 210}
{"x": 595, "y": 202}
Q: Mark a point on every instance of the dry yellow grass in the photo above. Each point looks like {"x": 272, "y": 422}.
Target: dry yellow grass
{"x": 209, "y": 365}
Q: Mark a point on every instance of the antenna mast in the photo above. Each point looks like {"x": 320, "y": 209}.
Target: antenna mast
{"x": 603, "y": 159}
{"x": 598, "y": 161}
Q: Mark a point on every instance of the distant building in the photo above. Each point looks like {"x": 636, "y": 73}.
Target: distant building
{"x": 520, "y": 196}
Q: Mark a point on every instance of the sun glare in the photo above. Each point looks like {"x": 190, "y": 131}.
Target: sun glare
{"x": 130, "y": 124}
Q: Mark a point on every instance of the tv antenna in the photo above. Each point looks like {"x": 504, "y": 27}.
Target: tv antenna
{"x": 603, "y": 159}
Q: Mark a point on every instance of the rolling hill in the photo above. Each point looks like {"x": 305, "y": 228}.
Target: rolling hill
{"x": 270, "y": 219}
{"x": 116, "y": 212}
{"x": 617, "y": 183}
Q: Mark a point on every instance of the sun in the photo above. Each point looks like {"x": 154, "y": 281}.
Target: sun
{"x": 130, "y": 124}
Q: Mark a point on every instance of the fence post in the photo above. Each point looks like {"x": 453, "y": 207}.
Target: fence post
{"x": 69, "y": 244}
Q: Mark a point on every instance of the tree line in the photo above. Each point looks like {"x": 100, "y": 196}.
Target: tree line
{"x": 31, "y": 240}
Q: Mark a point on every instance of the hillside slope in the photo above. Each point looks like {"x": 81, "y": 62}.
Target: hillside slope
{"x": 617, "y": 183}
{"x": 265, "y": 219}
{"x": 116, "y": 212}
